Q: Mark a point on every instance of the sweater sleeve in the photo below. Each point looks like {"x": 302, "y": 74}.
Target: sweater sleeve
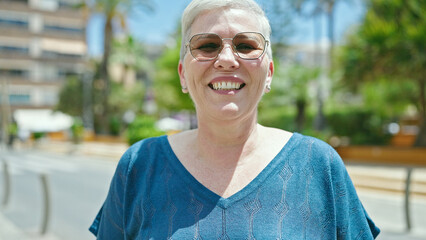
{"x": 353, "y": 221}
{"x": 109, "y": 222}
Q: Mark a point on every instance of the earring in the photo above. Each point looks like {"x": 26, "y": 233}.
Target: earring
{"x": 184, "y": 89}
{"x": 268, "y": 87}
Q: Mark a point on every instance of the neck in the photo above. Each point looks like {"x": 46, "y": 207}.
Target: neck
{"x": 227, "y": 144}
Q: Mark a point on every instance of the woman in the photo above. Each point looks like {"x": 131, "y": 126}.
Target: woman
{"x": 231, "y": 178}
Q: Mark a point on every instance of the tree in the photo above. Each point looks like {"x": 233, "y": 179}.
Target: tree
{"x": 131, "y": 56}
{"x": 291, "y": 85}
{"x": 390, "y": 44}
{"x": 280, "y": 18}
{"x": 317, "y": 8}
{"x": 299, "y": 78}
{"x": 123, "y": 99}
{"x": 167, "y": 88}
{"x": 112, "y": 10}
{"x": 71, "y": 97}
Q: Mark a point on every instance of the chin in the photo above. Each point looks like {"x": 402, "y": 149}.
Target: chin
{"x": 232, "y": 111}
{"x": 231, "y": 107}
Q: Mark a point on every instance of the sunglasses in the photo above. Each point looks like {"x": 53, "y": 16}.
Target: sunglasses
{"x": 247, "y": 45}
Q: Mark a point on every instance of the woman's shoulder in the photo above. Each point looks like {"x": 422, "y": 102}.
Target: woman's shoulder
{"x": 310, "y": 143}
{"x": 314, "y": 150}
{"x": 142, "y": 151}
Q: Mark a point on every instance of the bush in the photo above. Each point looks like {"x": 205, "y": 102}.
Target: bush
{"x": 38, "y": 135}
{"x": 360, "y": 125}
{"x": 114, "y": 126}
{"x": 77, "y": 130}
{"x": 142, "y": 127}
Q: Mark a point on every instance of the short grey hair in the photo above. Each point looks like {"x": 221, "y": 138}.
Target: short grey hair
{"x": 197, "y": 7}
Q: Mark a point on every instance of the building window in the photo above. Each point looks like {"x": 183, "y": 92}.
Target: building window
{"x": 19, "y": 99}
{"x": 15, "y": 50}
{"x": 51, "y": 54}
{"x": 67, "y": 5}
{"x": 13, "y": 23}
{"x": 14, "y": 73}
{"x": 70, "y": 30}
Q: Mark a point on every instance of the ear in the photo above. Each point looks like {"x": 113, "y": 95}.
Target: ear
{"x": 181, "y": 72}
{"x": 269, "y": 76}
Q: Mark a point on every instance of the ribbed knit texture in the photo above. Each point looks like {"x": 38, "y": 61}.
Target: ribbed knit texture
{"x": 304, "y": 193}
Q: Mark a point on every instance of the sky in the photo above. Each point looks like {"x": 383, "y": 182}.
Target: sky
{"x": 155, "y": 27}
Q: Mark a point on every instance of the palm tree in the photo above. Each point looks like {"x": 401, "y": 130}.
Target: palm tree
{"x": 319, "y": 7}
{"x": 112, "y": 10}
{"x": 131, "y": 55}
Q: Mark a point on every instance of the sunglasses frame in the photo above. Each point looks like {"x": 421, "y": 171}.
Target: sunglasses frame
{"x": 187, "y": 46}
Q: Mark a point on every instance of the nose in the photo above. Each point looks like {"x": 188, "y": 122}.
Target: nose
{"x": 227, "y": 58}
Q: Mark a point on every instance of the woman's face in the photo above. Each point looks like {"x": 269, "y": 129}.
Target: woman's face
{"x": 204, "y": 79}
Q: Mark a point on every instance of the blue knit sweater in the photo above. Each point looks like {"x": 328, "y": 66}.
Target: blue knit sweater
{"x": 304, "y": 193}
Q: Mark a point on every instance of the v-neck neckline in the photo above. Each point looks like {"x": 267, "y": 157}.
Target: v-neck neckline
{"x": 208, "y": 195}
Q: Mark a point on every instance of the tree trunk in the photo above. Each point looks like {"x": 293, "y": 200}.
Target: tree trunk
{"x": 320, "y": 123}
{"x": 421, "y": 136}
{"x": 330, "y": 32}
{"x": 300, "y": 118}
{"x": 104, "y": 77}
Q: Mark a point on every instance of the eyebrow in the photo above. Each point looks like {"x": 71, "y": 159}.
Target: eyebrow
{"x": 206, "y": 35}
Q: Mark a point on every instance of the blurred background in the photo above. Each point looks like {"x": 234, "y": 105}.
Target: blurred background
{"x": 82, "y": 80}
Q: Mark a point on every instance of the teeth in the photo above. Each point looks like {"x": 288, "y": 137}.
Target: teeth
{"x": 226, "y": 85}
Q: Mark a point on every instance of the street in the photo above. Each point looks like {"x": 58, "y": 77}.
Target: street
{"x": 78, "y": 185}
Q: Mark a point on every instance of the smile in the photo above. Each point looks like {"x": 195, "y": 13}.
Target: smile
{"x": 227, "y": 86}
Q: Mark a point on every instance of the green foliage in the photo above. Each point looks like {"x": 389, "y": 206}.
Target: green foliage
{"x": 167, "y": 86}
{"x": 290, "y": 95}
{"x": 77, "y": 130}
{"x": 362, "y": 126}
{"x": 38, "y": 135}
{"x": 111, "y": 10}
{"x": 71, "y": 97}
{"x": 390, "y": 44}
{"x": 123, "y": 99}
{"x": 278, "y": 116}
{"x": 389, "y": 98}
{"x": 142, "y": 127}
{"x": 298, "y": 78}
{"x": 115, "y": 125}
{"x": 131, "y": 55}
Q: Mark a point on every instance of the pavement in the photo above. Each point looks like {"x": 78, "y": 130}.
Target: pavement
{"x": 9, "y": 231}
{"x": 377, "y": 185}
{"x": 110, "y": 151}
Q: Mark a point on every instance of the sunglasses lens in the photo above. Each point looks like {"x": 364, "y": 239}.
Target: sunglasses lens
{"x": 249, "y": 45}
{"x": 205, "y": 46}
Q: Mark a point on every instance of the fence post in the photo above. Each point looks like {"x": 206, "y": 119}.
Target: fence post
{"x": 46, "y": 203}
{"x": 6, "y": 183}
{"x": 407, "y": 198}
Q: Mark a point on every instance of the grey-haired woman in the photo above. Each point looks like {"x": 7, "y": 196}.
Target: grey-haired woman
{"x": 230, "y": 178}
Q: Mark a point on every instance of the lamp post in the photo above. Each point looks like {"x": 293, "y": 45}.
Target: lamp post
{"x": 5, "y": 111}
{"x": 87, "y": 101}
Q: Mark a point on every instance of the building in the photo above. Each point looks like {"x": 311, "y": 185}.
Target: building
{"x": 42, "y": 42}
